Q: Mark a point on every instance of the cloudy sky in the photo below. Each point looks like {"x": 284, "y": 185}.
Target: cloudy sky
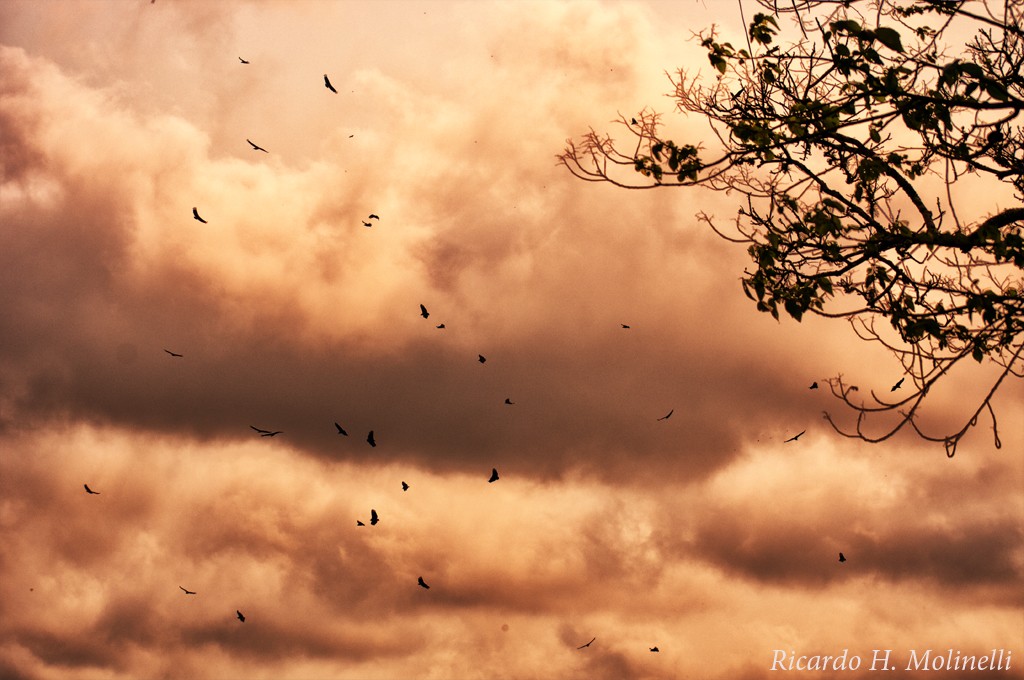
{"x": 703, "y": 534}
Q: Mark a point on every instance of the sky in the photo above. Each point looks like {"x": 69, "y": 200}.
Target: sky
{"x": 705, "y": 534}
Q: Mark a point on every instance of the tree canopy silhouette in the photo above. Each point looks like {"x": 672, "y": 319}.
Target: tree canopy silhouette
{"x": 844, "y": 133}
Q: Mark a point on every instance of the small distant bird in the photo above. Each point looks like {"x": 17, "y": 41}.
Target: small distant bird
{"x": 625, "y": 325}
{"x": 423, "y": 312}
{"x": 633, "y": 121}
{"x": 242, "y": 60}
{"x": 494, "y": 476}
{"x": 481, "y": 358}
{"x": 173, "y": 354}
{"x": 373, "y": 217}
{"x": 373, "y": 517}
{"x": 367, "y": 224}
{"x": 256, "y": 147}
{"x": 853, "y": 388}
{"x": 899, "y": 384}
{"x": 405, "y": 487}
{"x": 814, "y": 385}
{"x": 188, "y": 592}
{"x": 586, "y": 645}
{"x": 359, "y": 524}
{"x": 842, "y": 557}
{"x": 794, "y": 437}
{"x": 88, "y": 490}
{"x": 327, "y": 84}
{"x": 341, "y": 430}
{"x": 667, "y": 415}
{"x": 370, "y": 440}
{"x": 266, "y": 433}
{"x": 655, "y": 649}
{"x": 440, "y": 325}
{"x": 509, "y": 402}
{"x": 240, "y": 617}
{"x": 423, "y": 584}
{"x": 195, "y": 214}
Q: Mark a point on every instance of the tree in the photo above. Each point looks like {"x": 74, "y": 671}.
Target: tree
{"x": 845, "y": 144}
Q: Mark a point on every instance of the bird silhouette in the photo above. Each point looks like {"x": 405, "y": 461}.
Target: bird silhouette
{"x": 586, "y": 645}
{"x": 373, "y": 217}
{"x": 405, "y": 487}
{"x": 794, "y": 437}
{"x": 481, "y": 358}
{"x": 423, "y": 584}
{"x": 195, "y": 214}
{"x": 370, "y": 440}
{"x": 842, "y": 557}
{"x": 494, "y": 476}
{"x": 359, "y": 523}
{"x": 367, "y": 224}
{"x": 239, "y": 615}
{"x": 267, "y": 433}
{"x": 440, "y": 325}
{"x": 814, "y": 385}
{"x": 256, "y": 147}
{"x": 90, "y": 491}
{"x": 655, "y": 649}
{"x": 242, "y": 60}
{"x": 173, "y": 354}
{"x": 625, "y": 325}
{"x": 341, "y": 430}
{"x": 899, "y": 384}
{"x": 633, "y": 121}
{"x": 327, "y": 84}
{"x": 188, "y": 592}
{"x": 373, "y": 517}
{"x": 423, "y": 312}
{"x": 509, "y": 402}
{"x": 667, "y": 415}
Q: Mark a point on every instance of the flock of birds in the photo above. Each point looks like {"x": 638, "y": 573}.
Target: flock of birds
{"x": 374, "y": 517}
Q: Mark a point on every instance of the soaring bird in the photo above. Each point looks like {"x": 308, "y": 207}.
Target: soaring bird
{"x": 367, "y": 224}
{"x": 373, "y": 517}
{"x": 481, "y": 358}
{"x": 359, "y": 523}
{"x": 405, "y": 487}
{"x": 195, "y": 214}
{"x": 173, "y": 354}
{"x": 240, "y": 617}
{"x": 509, "y": 402}
{"x": 423, "y": 312}
{"x": 242, "y": 60}
{"x": 88, "y": 490}
{"x": 267, "y": 433}
{"x": 256, "y": 147}
{"x": 842, "y": 557}
{"x": 633, "y": 121}
{"x": 370, "y": 440}
{"x": 327, "y": 84}
{"x": 667, "y": 415}
{"x": 586, "y": 645}
{"x": 341, "y": 430}
{"x": 655, "y": 649}
{"x": 188, "y": 592}
{"x": 423, "y": 584}
{"x": 814, "y": 385}
{"x": 373, "y": 217}
{"x": 494, "y": 476}
{"x": 794, "y": 437}
{"x": 899, "y": 384}
{"x": 624, "y": 325}
{"x": 440, "y": 325}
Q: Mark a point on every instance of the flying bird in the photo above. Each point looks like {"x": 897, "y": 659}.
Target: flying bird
{"x": 266, "y": 433}
{"x": 359, "y": 524}
{"x": 667, "y": 415}
{"x": 481, "y": 358}
{"x": 370, "y": 440}
{"x": 373, "y": 217}
{"x": 899, "y": 384}
{"x": 423, "y": 584}
{"x": 655, "y": 649}
{"x": 624, "y": 325}
{"x": 405, "y": 487}
{"x": 814, "y": 385}
{"x": 327, "y": 84}
{"x": 341, "y": 430}
{"x": 195, "y": 214}
{"x": 633, "y": 121}
{"x": 794, "y": 437}
{"x": 188, "y": 592}
{"x": 509, "y": 402}
{"x": 367, "y": 224}
{"x": 90, "y": 491}
{"x": 256, "y": 147}
{"x": 440, "y": 325}
{"x": 173, "y": 354}
{"x": 242, "y": 60}
{"x": 842, "y": 557}
{"x": 586, "y": 645}
{"x": 423, "y": 312}
{"x": 494, "y": 476}
{"x": 373, "y": 517}
{"x": 239, "y": 615}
